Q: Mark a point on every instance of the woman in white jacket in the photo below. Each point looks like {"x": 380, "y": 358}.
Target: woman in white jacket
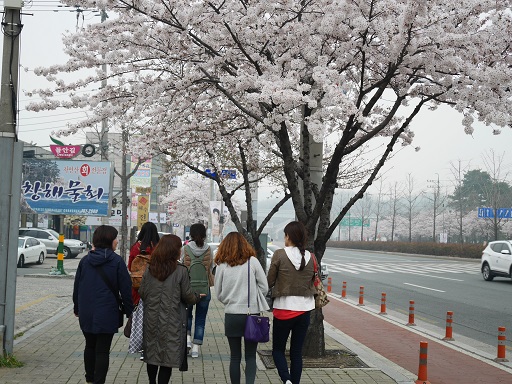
{"x": 232, "y": 285}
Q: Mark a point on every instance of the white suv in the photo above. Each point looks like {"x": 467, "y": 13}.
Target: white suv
{"x": 50, "y": 238}
{"x": 497, "y": 260}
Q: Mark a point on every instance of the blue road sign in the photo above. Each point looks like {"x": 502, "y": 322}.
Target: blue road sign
{"x": 488, "y": 213}
{"x": 225, "y": 173}
{"x": 504, "y": 213}
{"x": 485, "y": 213}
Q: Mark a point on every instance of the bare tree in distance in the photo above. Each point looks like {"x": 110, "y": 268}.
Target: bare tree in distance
{"x": 497, "y": 193}
{"x": 459, "y": 200}
{"x": 412, "y": 200}
{"x": 437, "y": 202}
{"x": 378, "y": 207}
{"x": 394, "y": 207}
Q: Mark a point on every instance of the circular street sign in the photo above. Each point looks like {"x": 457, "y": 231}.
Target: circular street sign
{"x": 88, "y": 150}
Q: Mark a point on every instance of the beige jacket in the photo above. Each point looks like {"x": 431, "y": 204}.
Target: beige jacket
{"x": 286, "y": 280}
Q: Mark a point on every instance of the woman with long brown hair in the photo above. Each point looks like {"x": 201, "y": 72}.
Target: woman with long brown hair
{"x": 165, "y": 291}
{"x": 239, "y": 272}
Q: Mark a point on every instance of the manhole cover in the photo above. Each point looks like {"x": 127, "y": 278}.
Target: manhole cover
{"x": 334, "y": 358}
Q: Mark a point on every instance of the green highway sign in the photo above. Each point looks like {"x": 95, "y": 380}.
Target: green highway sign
{"x": 354, "y": 222}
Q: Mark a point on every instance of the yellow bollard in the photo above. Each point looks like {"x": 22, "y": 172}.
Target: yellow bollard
{"x": 60, "y": 256}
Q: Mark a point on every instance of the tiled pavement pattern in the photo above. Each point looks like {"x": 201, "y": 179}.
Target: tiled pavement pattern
{"x": 53, "y": 353}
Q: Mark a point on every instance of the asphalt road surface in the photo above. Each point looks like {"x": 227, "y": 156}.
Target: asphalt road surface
{"x": 436, "y": 285}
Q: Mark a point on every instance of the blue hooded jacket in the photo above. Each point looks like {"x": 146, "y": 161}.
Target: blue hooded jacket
{"x": 94, "y": 302}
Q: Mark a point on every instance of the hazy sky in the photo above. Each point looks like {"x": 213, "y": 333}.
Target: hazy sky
{"x": 439, "y": 134}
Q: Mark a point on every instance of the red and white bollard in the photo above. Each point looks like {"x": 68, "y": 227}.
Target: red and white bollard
{"x": 344, "y": 290}
{"x": 361, "y": 296}
{"x": 422, "y": 370}
{"x": 329, "y": 284}
{"x": 411, "y": 313}
{"x": 449, "y": 330}
{"x": 501, "y": 345}
{"x": 383, "y": 304}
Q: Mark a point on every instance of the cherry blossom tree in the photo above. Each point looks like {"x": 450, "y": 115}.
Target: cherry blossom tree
{"x": 306, "y": 82}
{"x": 190, "y": 201}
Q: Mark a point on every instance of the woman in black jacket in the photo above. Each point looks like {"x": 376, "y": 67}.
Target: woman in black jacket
{"x": 96, "y": 304}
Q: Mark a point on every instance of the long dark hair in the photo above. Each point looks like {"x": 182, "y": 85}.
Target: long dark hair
{"x": 298, "y": 236}
{"x": 165, "y": 256}
{"x": 198, "y": 234}
{"x": 148, "y": 236}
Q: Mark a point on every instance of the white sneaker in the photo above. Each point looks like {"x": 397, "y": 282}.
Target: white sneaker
{"x": 195, "y": 350}
{"x": 189, "y": 342}
{"x": 288, "y": 382}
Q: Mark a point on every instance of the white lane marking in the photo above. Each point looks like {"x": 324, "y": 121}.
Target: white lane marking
{"x": 340, "y": 269}
{"x": 430, "y": 289}
{"x": 435, "y": 277}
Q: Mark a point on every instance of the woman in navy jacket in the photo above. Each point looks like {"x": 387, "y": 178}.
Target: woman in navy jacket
{"x": 95, "y": 304}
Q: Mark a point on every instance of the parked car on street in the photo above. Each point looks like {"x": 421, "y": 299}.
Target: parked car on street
{"x": 497, "y": 260}
{"x": 30, "y": 250}
{"x": 271, "y": 248}
{"x": 50, "y": 238}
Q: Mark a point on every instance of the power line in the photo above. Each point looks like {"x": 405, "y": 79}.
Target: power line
{"x": 57, "y": 114}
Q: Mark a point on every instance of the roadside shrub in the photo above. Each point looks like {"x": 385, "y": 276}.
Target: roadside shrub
{"x": 470, "y": 251}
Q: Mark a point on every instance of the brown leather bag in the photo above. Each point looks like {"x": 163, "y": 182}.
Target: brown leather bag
{"x": 137, "y": 269}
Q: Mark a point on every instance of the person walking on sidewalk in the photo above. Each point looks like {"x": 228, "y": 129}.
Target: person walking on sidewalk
{"x": 199, "y": 251}
{"x": 99, "y": 274}
{"x": 165, "y": 291}
{"x": 147, "y": 239}
{"x": 231, "y": 286}
{"x": 290, "y": 277}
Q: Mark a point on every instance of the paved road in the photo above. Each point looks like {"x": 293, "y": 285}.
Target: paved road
{"x": 37, "y": 299}
{"x": 436, "y": 286}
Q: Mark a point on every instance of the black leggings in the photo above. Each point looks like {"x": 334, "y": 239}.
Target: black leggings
{"x": 164, "y": 374}
{"x": 96, "y": 356}
{"x": 235, "y": 346}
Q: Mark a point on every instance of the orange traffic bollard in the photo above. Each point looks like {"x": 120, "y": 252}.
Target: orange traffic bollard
{"x": 411, "y": 313}
{"x": 422, "y": 370}
{"x": 501, "y": 345}
{"x": 329, "y": 284}
{"x": 344, "y": 290}
{"x": 383, "y": 305}
{"x": 449, "y": 330}
{"x": 361, "y": 296}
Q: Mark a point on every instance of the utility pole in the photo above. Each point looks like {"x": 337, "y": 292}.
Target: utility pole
{"x": 437, "y": 193}
{"x": 11, "y": 157}
{"x": 104, "y": 127}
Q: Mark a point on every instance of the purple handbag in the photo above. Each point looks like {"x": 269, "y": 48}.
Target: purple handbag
{"x": 257, "y": 328}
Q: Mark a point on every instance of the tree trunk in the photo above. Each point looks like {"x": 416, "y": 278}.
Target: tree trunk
{"x": 124, "y": 200}
{"x": 314, "y": 345}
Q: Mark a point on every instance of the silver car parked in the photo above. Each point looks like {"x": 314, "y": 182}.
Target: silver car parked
{"x": 50, "y": 238}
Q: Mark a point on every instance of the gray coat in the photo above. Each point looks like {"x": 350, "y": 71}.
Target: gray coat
{"x": 165, "y": 317}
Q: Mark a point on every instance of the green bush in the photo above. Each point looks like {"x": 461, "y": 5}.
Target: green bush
{"x": 10, "y": 361}
{"x": 470, "y": 251}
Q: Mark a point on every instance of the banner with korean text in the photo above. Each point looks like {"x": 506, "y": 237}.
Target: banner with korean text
{"x": 66, "y": 187}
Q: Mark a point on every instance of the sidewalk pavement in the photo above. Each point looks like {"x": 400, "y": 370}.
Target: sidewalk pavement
{"x": 52, "y": 352}
{"x": 449, "y": 362}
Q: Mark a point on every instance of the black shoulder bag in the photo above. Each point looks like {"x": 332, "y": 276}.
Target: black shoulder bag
{"x": 116, "y": 294}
